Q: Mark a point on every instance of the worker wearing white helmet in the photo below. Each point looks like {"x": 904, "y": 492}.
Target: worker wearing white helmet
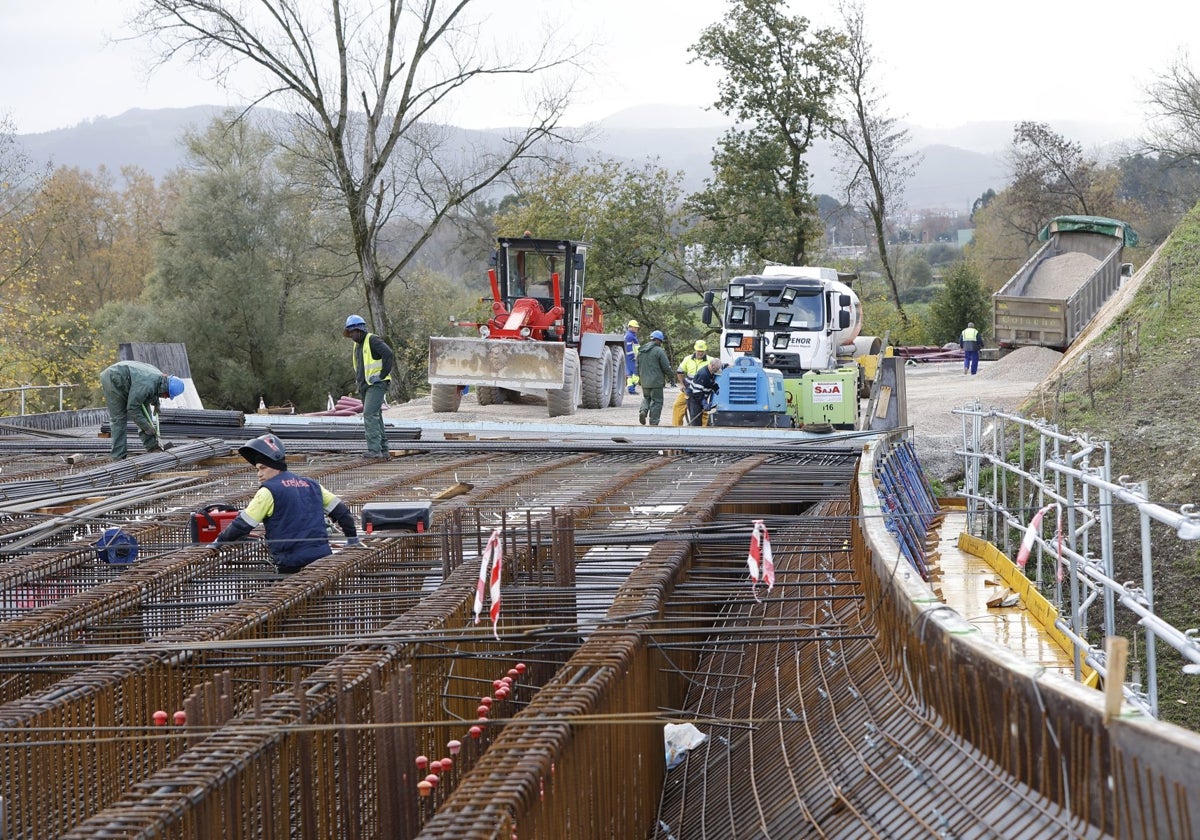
{"x": 970, "y": 342}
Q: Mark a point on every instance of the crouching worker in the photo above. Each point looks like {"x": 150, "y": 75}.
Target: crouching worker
{"x": 293, "y": 509}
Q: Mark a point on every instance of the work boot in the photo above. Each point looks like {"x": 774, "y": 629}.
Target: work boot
{"x": 642, "y": 418}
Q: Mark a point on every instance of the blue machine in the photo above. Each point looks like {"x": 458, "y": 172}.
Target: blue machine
{"x": 750, "y": 395}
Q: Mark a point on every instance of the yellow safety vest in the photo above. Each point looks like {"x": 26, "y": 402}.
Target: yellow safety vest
{"x": 371, "y": 365}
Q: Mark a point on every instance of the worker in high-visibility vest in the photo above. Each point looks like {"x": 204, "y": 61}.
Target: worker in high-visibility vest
{"x": 970, "y": 343}
{"x": 373, "y": 360}
{"x": 683, "y": 376}
{"x": 631, "y": 354}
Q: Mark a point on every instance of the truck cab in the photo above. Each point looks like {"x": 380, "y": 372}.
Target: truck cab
{"x": 793, "y": 319}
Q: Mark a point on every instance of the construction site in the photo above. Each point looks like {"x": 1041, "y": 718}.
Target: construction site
{"x": 704, "y": 633}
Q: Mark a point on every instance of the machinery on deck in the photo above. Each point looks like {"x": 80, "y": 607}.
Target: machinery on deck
{"x": 544, "y": 337}
{"x": 801, "y": 325}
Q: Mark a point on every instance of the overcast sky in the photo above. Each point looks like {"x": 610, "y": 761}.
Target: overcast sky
{"x": 944, "y": 62}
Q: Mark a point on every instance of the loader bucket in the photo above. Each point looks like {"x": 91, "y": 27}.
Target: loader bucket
{"x": 500, "y": 363}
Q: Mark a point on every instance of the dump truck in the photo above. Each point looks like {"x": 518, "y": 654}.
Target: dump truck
{"x": 1058, "y": 291}
{"x": 544, "y": 337}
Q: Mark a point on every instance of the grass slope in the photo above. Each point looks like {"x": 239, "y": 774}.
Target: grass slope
{"x": 1135, "y": 385}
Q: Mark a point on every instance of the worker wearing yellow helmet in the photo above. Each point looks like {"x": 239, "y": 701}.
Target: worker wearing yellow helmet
{"x": 631, "y": 353}
{"x": 683, "y": 375}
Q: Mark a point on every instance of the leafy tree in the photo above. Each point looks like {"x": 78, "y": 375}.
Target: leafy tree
{"x": 47, "y": 340}
{"x": 780, "y": 80}
{"x": 962, "y": 300}
{"x": 364, "y": 79}
{"x": 239, "y": 278}
{"x": 95, "y": 236}
{"x": 982, "y": 202}
{"x": 871, "y": 144}
{"x": 1052, "y": 177}
{"x": 637, "y": 264}
{"x": 1164, "y": 187}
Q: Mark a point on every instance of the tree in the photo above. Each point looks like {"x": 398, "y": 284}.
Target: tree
{"x": 240, "y": 278}
{"x": 47, "y": 340}
{"x": 960, "y": 301}
{"x": 780, "y": 80}
{"x": 364, "y": 80}
{"x": 871, "y": 145}
{"x": 1052, "y": 177}
{"x": 631, "y": 218}
{"x": 95, "y": 236}
{"x": 1174, "y": 118}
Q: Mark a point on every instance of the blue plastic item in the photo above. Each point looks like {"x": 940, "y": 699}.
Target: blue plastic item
{"x": 116, "y": 547}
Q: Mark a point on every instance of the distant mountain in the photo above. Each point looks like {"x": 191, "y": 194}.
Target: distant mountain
{"x": 958, "y": 164}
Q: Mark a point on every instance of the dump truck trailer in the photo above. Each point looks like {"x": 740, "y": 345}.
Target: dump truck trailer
{"x": 1058, "y": 291}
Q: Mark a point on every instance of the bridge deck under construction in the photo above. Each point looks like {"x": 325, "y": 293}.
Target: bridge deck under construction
{"x": 314, "y": 705}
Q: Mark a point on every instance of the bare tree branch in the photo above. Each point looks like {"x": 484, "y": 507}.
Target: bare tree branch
{"x": 363, "y": 81}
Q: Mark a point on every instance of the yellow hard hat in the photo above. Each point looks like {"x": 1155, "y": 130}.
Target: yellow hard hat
{"x": 701, "y": 346}
{"x": 633, "y": 325}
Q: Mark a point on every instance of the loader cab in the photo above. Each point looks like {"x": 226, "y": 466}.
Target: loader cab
{"x": 533, "y": 269}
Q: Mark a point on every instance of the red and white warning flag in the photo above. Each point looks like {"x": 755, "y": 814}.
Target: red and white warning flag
{"x": 1058, "y": 542}
{"x": 760, "y": 559}
{"x": 493, "y": 556}
{"x": 1031, "y": 532}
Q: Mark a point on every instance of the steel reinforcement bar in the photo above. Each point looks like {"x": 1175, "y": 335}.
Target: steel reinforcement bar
{"x": 359, "y": 684}
{"x": 1124, "y": 775}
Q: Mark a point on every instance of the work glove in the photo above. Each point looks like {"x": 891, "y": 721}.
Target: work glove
{"x": 372, "y": 379}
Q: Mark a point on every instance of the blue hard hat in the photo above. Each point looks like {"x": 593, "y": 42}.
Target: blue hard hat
{"x": 657, "y": 334}
{"x": 355, "y": 322}
{"x": 174, "y": 386}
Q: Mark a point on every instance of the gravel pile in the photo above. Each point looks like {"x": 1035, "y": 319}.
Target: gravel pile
{"x": 1028, "y": 364}
{"x": 1061, "y": 275}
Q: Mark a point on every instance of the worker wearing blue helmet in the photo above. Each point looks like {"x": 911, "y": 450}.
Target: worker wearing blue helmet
{"x": 131, "y": 389}
{"x": 654, "y": 371}
{"x": 373, "y": 360}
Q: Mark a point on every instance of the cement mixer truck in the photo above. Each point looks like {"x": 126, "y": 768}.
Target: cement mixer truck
{"x": 805, "y": 323}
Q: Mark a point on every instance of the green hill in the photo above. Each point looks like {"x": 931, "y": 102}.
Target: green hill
{"x": 1134, "y": 384}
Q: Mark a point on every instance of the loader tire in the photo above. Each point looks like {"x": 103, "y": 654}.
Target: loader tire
{"x": 617, "y": 395}
{"x": 445, "y": 398}
{"x": 596, "y": 379}
{"x": 563, "y": 400}
{"x": 488, "y": 395}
